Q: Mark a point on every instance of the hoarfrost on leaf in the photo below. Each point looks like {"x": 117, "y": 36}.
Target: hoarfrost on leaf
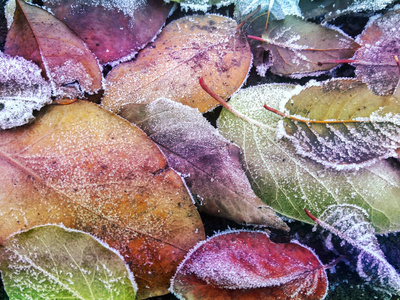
{"x": 22, "y": 90}
{"x": 279, "y": 8}
{"x": 289, "y": 182}
{"x": 342, "y": 124}
{"x": 209, "y": 163}
{"x": 51, "y": 262}
{"x": 352, "y": 225}
{"x": 247, "y": 265}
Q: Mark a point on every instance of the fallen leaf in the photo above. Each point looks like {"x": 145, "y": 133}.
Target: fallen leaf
{"x": 297, "y": 53}
{"x": 288, "y": 182}
{"x": 202, "y": 5}
{"x": 51, "y": 262}
{"x": 351, "y": 224}
{"x": 22, "y": 90}
{"x": 342, "y": 124}
{"x": 331, "y": 9}
{"x": 63, "y": 57}
{"x": 90, "y": 170}
{"x": 279, "y": 9}
{"x": 113, "y": 30}
{"x": 209, "y": 163}
{"x": 247, "y": 265}
{"x": 189, "y": 48}
{"x": 374, "y": 61}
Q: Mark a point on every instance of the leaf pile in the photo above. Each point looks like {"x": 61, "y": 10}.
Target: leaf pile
{"x": 114, "y": 200}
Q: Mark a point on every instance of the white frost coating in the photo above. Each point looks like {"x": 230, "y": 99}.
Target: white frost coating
{"x": 128, "y": 7}
{"x": 22, "y": 90}
{"x": 200, "y": 5}
{"x": 280, "y": 8}
{"x": 351, "y": 224}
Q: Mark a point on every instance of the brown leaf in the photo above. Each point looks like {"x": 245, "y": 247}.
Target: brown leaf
{"x": 187, "y": 49}
{"x": 113, "y": 30}
{"x": 63, "y": 57}
{"x": 297, "y": 52}
{"x": 210, "y": 164}
{"x": 247, "y": 265}
{"x": 375, "y": 62}
{"x": 90, "y": 170}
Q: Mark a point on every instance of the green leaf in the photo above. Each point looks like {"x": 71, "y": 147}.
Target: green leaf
{"x": 288, "y": 182}
{"x": 51, "y": 262}
{"x": 342, "y": 124}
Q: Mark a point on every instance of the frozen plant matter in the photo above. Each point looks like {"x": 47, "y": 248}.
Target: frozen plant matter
{"x": 22, "y": 90}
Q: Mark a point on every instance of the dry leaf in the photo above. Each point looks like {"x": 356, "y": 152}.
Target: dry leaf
{"x": 296, "y": 52}
{"x": 247, "y": 265}
{"x": 375, "y": 62}
{"x": 84, "y": 167}
{"x": 209, "y": 163}
{"x": 63, "y": 57}
{"x": 113, "y": 30}
{"x": 187, "y": 49}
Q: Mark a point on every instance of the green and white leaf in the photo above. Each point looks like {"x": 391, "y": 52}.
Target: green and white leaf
{"x": 278, "y": 8}
{"x": 288, "y": 182}
{"x": 352, "y": 225}
{"x": 357, "y": 127}
{"x": 51, "y": 262}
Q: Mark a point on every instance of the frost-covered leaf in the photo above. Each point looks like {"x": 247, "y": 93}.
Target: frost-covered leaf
{"x": 288, "y": 182}
{"x": 22, "y": 90}
{"x": 63, "y": 57}
{"x": 201, "y": 5}
{"x": 343, "y": 125}
{"x": 375, "y": 62}
{"x": 247, "y": 265}
{"x": 352, "y": 225}
{"x": 278, "y": 8}
{"x": 208, "y": 162}
{"x": 296, "y": 52}
{"x": 113, "y": 30}
{"x": 334, "y": 8}
{"x": 189, "y": 48}
{"x": 51, "y": 262}
{"x": 89, "y": 169}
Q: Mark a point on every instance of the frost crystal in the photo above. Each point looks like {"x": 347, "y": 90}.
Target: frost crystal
{"x": 22, "y": 90}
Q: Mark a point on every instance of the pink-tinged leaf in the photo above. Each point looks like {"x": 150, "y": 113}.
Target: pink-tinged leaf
{"x": 209, "y": 163}
{"x": 247, "y": 265}
{"x": 63, "y": 57}
{"x": 113, "y": 30}
{"x": 296, "y": 52}
{"x": 375, "y": 60}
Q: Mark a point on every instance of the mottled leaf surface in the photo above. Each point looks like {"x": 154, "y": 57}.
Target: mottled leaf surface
{"x": 288, "y": 182}
{"x": 113, "y": 30}
{"x": 247, "y": 265}
{"x": 209, "y": 163}
{"x": 352, "y": 225}
{"x": 22, "y": 90}
{"x": 51, "y": 262}
{"x": 84, "y": 167}
{"x": 375, "y": 63}
{"x": 296, "y": 52}
{"x": 343, "y": 125}
{"x": 278, "y": 8}
{"x": 189, "y": 48}
{"x": 63, "y": 57}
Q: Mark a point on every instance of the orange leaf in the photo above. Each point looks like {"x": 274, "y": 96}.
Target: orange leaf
{"x": 187, "y": 49}
{"x": 90, "y": 170}
{"x": 64, "y": 58}
{"x": 247, "y": 265}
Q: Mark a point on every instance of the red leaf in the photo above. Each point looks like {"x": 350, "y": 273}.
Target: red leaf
{"x": 64, "y": 58}
{"x": 244, "y": 264}
{"x": 112, "y": 29}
